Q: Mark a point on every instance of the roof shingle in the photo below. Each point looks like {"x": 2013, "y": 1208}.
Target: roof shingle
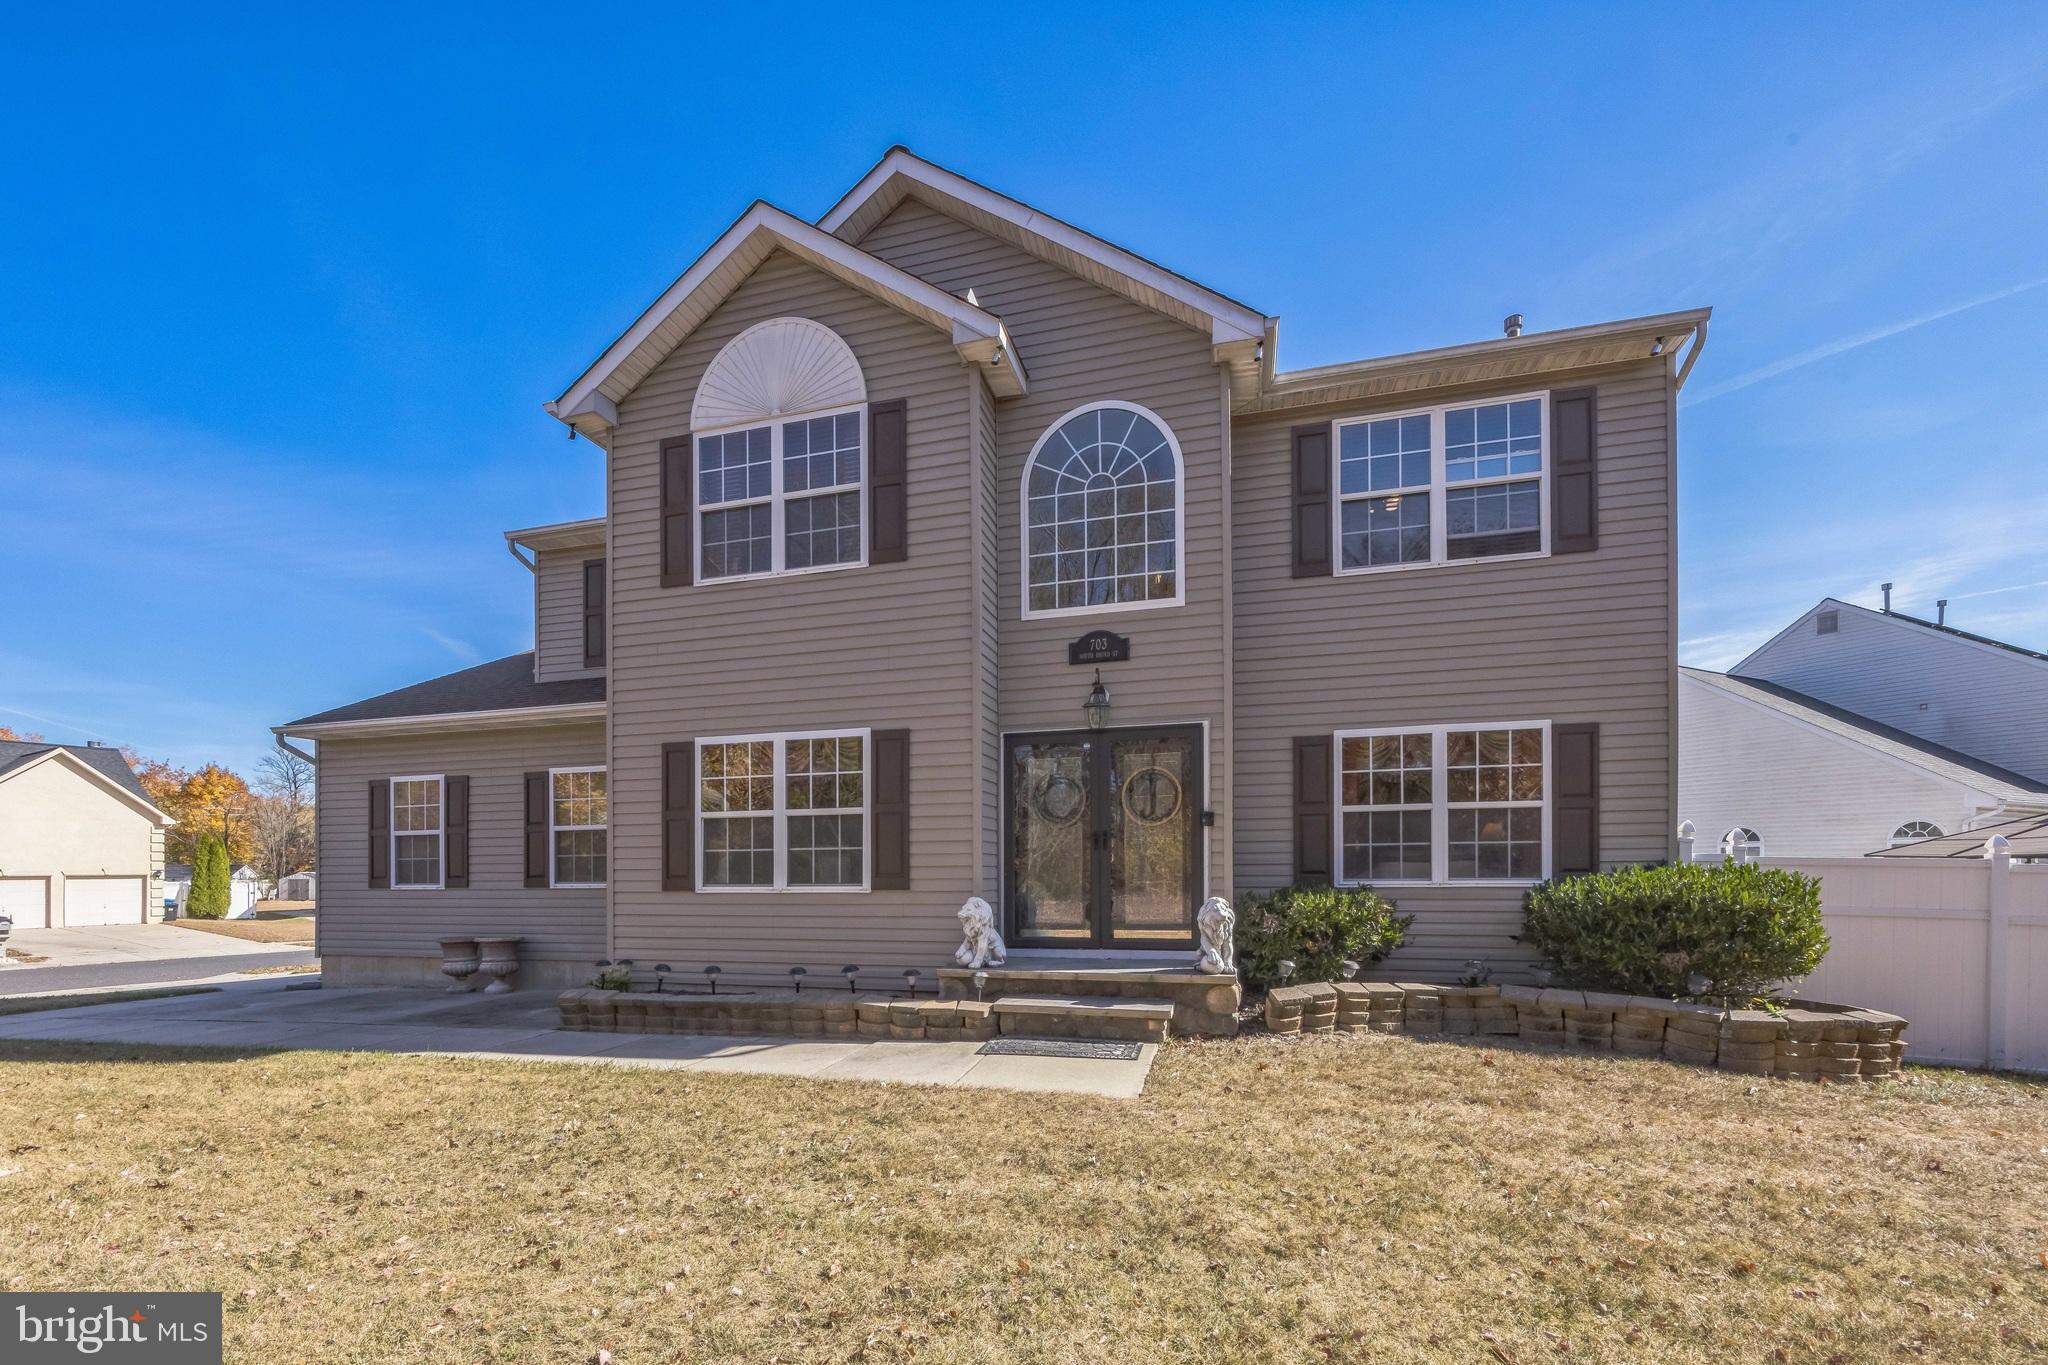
{"x": 501, "y": 685}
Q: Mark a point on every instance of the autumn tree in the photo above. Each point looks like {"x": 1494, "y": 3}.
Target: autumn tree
{"x": 283, "y": 816}
{"x": 215, "y": 801}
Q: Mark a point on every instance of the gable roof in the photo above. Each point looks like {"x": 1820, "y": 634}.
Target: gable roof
{"x": 903, "y": 174}
{"x": 502, "y": 690}
{"x": 589, "y": 405}
{"x": 2001, "y": 783}
{"x": 1902, "y": 618}
{"x": 105, "y": 765}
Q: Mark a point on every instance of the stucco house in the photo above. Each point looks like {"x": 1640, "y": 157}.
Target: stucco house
{"x": 1853, "y": 731}
{"x": 950, "y": 550}
{"x": 81, "y": 843}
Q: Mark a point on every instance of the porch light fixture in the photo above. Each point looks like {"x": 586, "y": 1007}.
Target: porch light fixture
{"x": 711, "y": 975}
{"x": 1096, "y": 708}
{"x": 796, "y": 977}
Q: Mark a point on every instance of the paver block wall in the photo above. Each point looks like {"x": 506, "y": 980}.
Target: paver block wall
{"x": 1807, "y": 1039}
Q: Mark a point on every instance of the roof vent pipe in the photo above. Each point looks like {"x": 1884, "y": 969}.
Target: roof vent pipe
{"x": 1887, "y": 598}
{"x": 1511, "y": 325}
{"x": 1941, "y": 612}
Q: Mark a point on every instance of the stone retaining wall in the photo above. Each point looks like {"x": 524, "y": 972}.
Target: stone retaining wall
{"x": 810, "y": 1014}
{"x": 1806, "y": 1039}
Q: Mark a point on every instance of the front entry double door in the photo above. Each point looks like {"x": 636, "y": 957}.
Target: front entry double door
{"x": 1104, "y": 845}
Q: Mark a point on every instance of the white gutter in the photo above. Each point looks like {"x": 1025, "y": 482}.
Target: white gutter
{"x": 447, "y": 720}
{"x": 1699, "y": 343}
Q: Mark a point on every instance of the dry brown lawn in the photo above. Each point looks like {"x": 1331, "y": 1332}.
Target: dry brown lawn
{"x": 1344, "y": 1199}
{"x": 294, "y": 930}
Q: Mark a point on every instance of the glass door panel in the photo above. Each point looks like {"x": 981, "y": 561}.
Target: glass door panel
{"x": 1052, "y": 835}
{"x": 1154, "y": 839}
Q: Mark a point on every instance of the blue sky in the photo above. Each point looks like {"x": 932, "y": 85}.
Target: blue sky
{"x": 279, "y": 303}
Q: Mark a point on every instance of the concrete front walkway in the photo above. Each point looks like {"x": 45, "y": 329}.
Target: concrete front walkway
{"x": 520, "y": 1026}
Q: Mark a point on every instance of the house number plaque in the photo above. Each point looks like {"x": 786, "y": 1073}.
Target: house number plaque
{"x": 1099, "y": 647}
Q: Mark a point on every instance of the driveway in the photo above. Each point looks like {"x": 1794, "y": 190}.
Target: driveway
{"x": 131, "y": 955}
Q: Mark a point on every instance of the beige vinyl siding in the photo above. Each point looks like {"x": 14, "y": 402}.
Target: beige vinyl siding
{"x": 558, "y": 614}
{"x": 887, "y": 646}
{"x": 1082, "y": 344}
{"x": 988, "y": 645}
{"x": 357, "y": 921}
{"x": 1583, "y": 637}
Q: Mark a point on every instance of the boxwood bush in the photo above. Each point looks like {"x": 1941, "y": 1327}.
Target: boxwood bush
{"x": 1317, "y": 927}
{"x": 1742, "y": 927}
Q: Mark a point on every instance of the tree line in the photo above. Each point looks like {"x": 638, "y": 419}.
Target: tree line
{"x": 267, "y": 824}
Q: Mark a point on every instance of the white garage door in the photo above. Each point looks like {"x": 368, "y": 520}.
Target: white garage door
{"x": 102, "y": 900}
{"x": 26, "y": 901}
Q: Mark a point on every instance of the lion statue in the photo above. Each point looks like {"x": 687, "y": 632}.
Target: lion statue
{"x": 1218, "y": 925}
{"x": 982, "y": 946}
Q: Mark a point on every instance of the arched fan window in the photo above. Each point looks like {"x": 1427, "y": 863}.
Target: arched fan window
{"x": 1743, "y": 841}
{"x": 1102, "y": 513}
{"x": 1915, "y": 830}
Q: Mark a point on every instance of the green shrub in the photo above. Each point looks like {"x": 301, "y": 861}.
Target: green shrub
{"x": 613, "y": 979}
{"x": 208, "y": 898}
{"x": 1317, "y": 928}
{"x": 1650, "y": 930}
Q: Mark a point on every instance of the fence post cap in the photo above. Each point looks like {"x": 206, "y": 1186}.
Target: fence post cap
{"x": 1686, "y": 829}
{"x": 1998, "y": 846}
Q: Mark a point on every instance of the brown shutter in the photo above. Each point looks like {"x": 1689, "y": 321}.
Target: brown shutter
{"x": 1574, "y": 799}
{"x": 889, "y": 811}
{"x": 679, "y": 816}
{"x": 677, "y": 519}
{"x": 380, "y": 834}
{"x": 1574, "y": 489}
{"x": 455, "y": 832}
{"x": 1312, "y": 502}
{"x": 888, "y": 478}
{"x": 593, "y": 613}
{"x": 537, "y": 798}
{"x": 1312, "y": 809}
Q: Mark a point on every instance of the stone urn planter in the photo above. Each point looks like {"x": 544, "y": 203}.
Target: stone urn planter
{"x": 458, "y": 961}
{"x": 498, "y": 958}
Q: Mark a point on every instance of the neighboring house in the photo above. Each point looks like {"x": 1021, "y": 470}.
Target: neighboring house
{"x": 888, "y": 493}
{"x": 81, "y": 843}
{"x": 245, "y": 888}
{"x": 1855, "y": 730}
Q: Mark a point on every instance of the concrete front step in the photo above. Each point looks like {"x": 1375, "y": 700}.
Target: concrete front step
{"x": 1203, "y": 1002}
{"x": 1118, "y": 1018}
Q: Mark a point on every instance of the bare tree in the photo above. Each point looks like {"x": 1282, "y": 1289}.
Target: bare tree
{"x": 283, "y": 817}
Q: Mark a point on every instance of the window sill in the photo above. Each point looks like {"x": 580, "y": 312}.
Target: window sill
{"x": 1111, "y": 609}
{"x": 783, "y": 890}
{"x": 1489, "y": 883}
{"x": 423, "y": 886}
{"x": 702, "y": 582}
{"x": 1439, "y": 564}
{"x": 576, "y": 886}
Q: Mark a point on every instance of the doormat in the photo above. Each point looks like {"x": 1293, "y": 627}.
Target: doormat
{"x": 1061, "y": 1047}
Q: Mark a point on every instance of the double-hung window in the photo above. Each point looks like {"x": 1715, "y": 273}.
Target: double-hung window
{"x": 1461, "y": 481}
{"x": 417, "y": 830}
{"x": 1446, "y": 803}
{"x": 783, "y": 812}
{"x": 784, "y": 497}
{"x": 576, "y": 826}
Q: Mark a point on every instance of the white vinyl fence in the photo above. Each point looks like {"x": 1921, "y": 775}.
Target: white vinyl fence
{"x": 1958, "y": 947}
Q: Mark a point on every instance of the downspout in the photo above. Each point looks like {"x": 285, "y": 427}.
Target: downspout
{"x": 532, "y": 566}
{"x": 279, "y": 736}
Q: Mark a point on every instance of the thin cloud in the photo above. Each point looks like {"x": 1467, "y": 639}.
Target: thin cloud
{"x": 461, "y": 649}
{"x": 1850, "y": 343}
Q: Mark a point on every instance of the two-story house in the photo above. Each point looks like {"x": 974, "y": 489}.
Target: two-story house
{"x": 951, "y": 550}
{"x": 1853, "y": 730}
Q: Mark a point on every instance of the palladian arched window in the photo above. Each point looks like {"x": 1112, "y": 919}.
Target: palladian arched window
{"x": 1742, "y": 842}
{"x": 1102, "y": 528}
{"x": 1915, "y": 830}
